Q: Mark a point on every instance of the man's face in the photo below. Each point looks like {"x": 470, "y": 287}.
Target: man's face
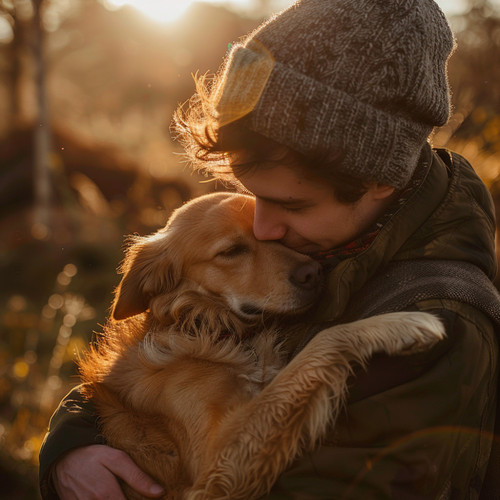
{"x": 304, "y": 214}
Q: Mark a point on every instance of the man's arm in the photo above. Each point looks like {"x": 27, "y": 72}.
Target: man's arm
{"x": 73, "y": 425}
{"x": 75, "y": 463}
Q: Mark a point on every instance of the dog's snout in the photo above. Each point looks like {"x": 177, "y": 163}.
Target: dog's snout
{"x": 306, "y": 276}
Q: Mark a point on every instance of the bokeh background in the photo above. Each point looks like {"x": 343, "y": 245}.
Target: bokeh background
{"x": 87, "y": 92}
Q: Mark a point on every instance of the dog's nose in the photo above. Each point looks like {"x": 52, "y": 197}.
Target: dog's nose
{"x": 307, "y": 276}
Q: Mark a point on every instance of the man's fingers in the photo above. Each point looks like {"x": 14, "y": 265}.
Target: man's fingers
{"x": 80, "y": 475}
{"x": 121, "y": 465}
{"x": 90, "y": 473}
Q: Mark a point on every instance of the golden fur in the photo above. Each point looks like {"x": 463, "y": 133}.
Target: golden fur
{"x": 188, "y": 381}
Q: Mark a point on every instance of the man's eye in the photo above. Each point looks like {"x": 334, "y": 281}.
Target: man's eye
{"x": 292, "y": 208}
{"x": 233, "y": 251}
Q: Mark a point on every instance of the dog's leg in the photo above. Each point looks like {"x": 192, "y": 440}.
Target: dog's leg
{"x": 291, "y": 415}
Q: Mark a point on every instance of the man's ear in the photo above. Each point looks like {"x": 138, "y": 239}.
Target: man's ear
{"x": 381, "y": 191}
{"x": 147, "y": 272}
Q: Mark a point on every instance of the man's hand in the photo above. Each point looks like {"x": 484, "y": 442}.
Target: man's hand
{"x": 90, "y": 473}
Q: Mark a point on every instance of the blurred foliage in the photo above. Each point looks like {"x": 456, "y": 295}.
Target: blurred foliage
{"x": 111, "y": 80}
{"x": 474, "y": 74}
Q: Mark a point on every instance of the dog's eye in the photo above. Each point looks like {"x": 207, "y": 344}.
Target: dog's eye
{"x": 233, "y": 251}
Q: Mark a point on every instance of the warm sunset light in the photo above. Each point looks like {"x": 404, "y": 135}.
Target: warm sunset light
{"x": 163, "y": 11}
{"x": 167, "y": 11}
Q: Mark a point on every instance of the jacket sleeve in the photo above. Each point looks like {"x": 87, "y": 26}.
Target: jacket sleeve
{"x": 415, "y": 427}
{"x": 73, "y": 424}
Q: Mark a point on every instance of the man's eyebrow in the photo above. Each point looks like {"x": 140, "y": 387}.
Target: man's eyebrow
{"x": 283, "y": 201}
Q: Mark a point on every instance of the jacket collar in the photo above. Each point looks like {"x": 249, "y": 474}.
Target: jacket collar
{"x": 349, "y": 275}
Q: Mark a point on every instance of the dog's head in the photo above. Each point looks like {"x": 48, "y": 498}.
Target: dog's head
{"x": 207, "y": 253}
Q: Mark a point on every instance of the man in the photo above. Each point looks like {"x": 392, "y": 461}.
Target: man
{"x": 323, "y": 114}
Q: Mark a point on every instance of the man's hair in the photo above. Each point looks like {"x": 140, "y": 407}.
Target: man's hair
{"x": 233, "y": 150}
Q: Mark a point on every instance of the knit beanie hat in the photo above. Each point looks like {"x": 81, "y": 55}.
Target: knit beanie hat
{"x": 366, "y": 77}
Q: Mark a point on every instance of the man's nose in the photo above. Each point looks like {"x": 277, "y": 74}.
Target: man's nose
{"x": 267, "y": 225}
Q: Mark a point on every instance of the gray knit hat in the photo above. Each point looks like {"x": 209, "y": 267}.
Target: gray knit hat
{"x": 367, "y": 77}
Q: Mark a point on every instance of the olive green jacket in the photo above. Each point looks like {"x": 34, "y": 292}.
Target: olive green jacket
{"x": 414, "y": 427}
{"x": 417, "y": 427}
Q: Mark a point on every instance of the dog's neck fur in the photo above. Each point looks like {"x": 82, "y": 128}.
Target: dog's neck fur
{"x": 202, "y": 315}
{"x": 204, "y": 326}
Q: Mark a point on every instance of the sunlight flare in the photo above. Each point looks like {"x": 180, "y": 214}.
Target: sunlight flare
{"x": 164, "y": 11}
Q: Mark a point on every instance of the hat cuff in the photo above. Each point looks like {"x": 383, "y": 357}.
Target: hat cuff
{"x": 310, "y": 117}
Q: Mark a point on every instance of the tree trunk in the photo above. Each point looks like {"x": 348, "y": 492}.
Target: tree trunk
{"x": 42, "y": 135}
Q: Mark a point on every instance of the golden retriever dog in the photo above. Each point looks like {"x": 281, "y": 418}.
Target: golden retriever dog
{"x": 189, "y": 378}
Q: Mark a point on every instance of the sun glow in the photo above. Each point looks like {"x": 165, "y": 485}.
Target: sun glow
{"x": 163, "y": 11}
{"x": 168, "y": 11}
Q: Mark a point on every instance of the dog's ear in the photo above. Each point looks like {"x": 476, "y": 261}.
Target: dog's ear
{"x": 147, "y": 272}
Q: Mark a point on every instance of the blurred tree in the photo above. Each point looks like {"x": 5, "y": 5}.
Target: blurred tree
{"x": 12, "y": 74}
{"x": 13, "y": 13}
{"x": 28, "y": 41}
{"x": 42, "y": 133}
{"x": 475, "y": 75}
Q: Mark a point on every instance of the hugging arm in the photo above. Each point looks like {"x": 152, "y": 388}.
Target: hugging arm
{"x": 75, "y": 463}
{"x": 73, "y": 425}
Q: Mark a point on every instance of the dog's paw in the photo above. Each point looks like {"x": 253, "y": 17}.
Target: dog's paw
{"x": 413, "y": 332}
